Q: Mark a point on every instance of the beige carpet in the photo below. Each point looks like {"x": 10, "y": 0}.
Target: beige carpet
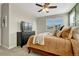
{"x": 16, "y": 52}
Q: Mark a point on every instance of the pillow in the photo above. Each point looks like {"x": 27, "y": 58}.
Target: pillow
{"x": 70, "y": 34}
{"x": 53, "y": 30}
{"x": 59, "y": 34}
{"x": 61, "y": 27}
{"x": 66, "y": 33}
{"x": 76, "y": 34}
{"x": 56, "y": 29}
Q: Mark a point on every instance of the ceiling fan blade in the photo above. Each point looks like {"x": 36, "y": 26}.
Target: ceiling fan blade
{"x": 39, "y": 5}
{"x": 52, "y": 7}
{"x": 40, "y": 10}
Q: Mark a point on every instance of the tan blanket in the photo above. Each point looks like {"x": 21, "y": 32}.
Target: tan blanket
{"x": 75, "y": 46}
{"x": 53, "y": 45}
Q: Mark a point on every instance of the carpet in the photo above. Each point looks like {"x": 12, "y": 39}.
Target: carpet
{"x": 17, "y": 51}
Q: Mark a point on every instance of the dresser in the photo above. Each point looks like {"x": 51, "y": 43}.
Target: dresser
{"x": 22, "y": 37}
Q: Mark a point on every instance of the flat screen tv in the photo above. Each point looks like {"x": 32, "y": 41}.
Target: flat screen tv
{"x": 26, "y": 26}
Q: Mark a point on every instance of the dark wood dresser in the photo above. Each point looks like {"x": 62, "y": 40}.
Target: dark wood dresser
{"x": 22, "y": 37}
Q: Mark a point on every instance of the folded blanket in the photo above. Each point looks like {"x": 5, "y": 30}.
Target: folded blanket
{"x": 39, "y": 39}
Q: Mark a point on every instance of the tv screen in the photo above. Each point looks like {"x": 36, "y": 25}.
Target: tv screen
{"x": 26, "y": 26}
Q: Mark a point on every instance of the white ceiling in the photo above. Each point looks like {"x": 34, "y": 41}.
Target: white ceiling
{"x": 32, "y": 9}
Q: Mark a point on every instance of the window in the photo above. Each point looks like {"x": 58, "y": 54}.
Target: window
{"x": 72, "y": 18}
{"x": 54, "y": 22}
{"x": 77, "y": 15}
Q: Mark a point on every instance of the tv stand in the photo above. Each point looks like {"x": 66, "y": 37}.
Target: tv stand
{"x": 22, "y": 37}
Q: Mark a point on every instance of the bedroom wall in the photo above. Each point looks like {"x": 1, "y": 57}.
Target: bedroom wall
{"x": 0, "y": 24}
{"x": 41, "y": 22}
{"x": 15, "y": 17}
{"x": 5, "y": 30}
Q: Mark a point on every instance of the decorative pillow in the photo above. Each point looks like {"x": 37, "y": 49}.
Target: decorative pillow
{"x": 53, "y": 30}
{"x": 76, "y": 34}
{"x": 66, "y": 33}
{"x": 56, "y": 29}
{"x": 70, "y": 34}
{"x": 61, "y": 27}
{"x": 59, "y": 34}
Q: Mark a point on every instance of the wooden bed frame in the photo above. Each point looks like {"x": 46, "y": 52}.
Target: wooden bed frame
{"x": 44, "y": 53}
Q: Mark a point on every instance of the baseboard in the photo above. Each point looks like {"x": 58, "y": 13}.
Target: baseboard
{"x": 9, "y": 47}
{"x": 4, "y": 46}
{"x": 12, "y": 47}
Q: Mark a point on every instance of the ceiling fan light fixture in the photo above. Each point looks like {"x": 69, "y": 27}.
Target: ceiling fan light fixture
{"x": 45, "y": 9}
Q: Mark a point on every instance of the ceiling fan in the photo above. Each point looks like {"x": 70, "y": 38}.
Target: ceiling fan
{"x": 45, "y": 7}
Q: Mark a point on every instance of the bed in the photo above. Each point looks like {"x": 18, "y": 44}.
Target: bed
{"x": 53, "y": 46}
